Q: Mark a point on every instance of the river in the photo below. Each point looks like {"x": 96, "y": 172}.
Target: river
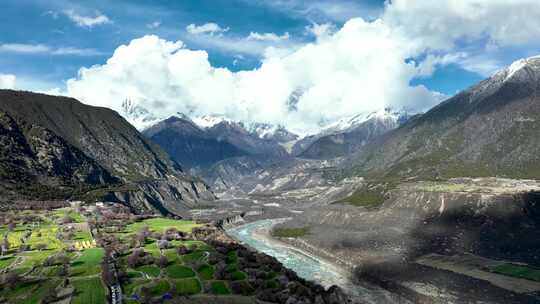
{"x": 309, "y": 267}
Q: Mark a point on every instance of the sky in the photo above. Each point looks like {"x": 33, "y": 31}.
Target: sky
{"x": 301, "y": 64}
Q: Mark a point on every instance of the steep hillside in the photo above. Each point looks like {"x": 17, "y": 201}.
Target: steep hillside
{"x": 35, "y": 161}
{"x": 189, "y": 144}
{"x": 344, "y": 141}
{"x": 490, "y": 129}
{"x": 201, "y": 146}
{"x": 148, "y": 178}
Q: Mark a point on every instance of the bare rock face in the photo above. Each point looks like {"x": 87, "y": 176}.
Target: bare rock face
{"x": 496, "y": 218}
{"x": 201, "y": 147}
{"x": 35, "y": 159}
{"x": 358, "y": 132}
{"x": 490, "y": 129}
{"x": 90, "y": 153}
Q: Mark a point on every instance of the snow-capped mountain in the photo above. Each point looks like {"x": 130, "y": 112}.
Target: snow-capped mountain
{"x": 200, "y": 142}
{"x": 208, "y": 121}
{"x": 346, "y": 135}
{"x": 353, "y": 121}
{"x": 262, "y": 130}
{"x": 138, "y": 116}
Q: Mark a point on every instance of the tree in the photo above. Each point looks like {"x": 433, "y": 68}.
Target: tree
{"x": 146, "y": 294}
{"x": 181, "y": 250}
{"x": 163, "y": 244}
{"x": 141, "y": 239}
{"x": 162, "y": 262}
{"x": 41, "y": 247}
{"x": 157, "y": 235}
{"x": 4, "y": 246}
{"x": 67, "y": 220}
{"x": 12, "y": 279}
{"x": 133, "y": 260}
{"x": 63, "y": 271}
{"x": 11, "y": 226}
{"x": 107, "y": 274}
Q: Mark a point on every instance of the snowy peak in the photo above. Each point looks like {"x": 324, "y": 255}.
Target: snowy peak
{"x": 271, "y": 132}
{"x": 519, "y": 70}
{"x": 137, "y": 115}
{"x": 260, "y": 130}
{"x": 208, "y": 121}
{"x": 354, "y": 121}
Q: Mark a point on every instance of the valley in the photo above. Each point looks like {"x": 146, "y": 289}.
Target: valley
{"x": 382, "y": 207}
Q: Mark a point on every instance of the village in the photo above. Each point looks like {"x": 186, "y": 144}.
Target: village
{"x": 103, "y": 253}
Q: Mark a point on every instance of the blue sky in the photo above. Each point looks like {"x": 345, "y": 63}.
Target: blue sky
{"x": 35, "y": 22}
{"x": 245, "y": 58}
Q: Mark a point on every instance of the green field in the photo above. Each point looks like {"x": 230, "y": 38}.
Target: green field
{"x": 206, "y": 272}
{"x": 151, "y": 271}
{"x": 162, "y": 224}
{"x": 518, "y": 271}
{"x": 88, "y": 263}
{"x": 290, "y": 232}
{"x": 188, "y": 286}
{"x": 160, "y": 287}
{"x": 179, "y": 272}
{"x": 219, "y": 288}
{"x": 183, "y": 276}
{"x": 89, "y": 291}
{"x": 6, "y": 261}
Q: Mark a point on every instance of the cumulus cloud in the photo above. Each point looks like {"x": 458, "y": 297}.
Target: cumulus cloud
{"x": 440, "y": 24}
{"x": 210, "y": 28}
{"x": 21, "y": 48}
{"x": 87, "y": 21}
{"x": 7, "y": 81}
{"x": 321, "y": 31}
{"x": 268, "y": 36}
{"x": 360, "y": 68}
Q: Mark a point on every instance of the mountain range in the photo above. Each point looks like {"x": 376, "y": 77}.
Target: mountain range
{"x": 57, "y": 148}
{"x": 489, "y": 129}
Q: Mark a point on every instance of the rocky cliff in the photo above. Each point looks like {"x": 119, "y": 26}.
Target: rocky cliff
{"x": 106, "y": 156}
{"x": 490, "y": 129}
{"x": 201, "y": 146}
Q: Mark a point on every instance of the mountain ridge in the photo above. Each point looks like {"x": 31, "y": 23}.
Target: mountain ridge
{"x": 489, "y": 129}
{"x": 148, "y": 178}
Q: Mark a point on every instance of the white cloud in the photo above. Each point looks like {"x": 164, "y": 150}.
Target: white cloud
{"x": 7, "y": 81}
{"x": 268, "y": 36}
{"x": 322, "y": 10}
{"x": 53, "y": 14}
{"x": 440, "y": 24}
{"x": 210, "y": 28}
{"x": 360, "y": 68}
{"x": 21, "y": 48}
{"x": 321, "y": 31}
{"x": 154, "y": 25}
{"x": 87, "y": 21}
{"x": 24, "y": 48}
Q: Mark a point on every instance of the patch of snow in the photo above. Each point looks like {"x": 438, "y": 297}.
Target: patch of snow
{"x": 208, "y": 121}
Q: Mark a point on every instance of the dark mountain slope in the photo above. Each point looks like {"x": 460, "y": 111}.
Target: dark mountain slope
{"x": 345, "y": 142}
{"x": 100, "y": 132}
{"x": 34, "y": 160}
{"x": 200, "y": 148}
{"x": 149, "y": 179}
{"x": 491, "y": 129}
{"x": 189, "y": 144}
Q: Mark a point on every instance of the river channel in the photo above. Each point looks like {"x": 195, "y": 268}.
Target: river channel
{"x": 309, "y": 267}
